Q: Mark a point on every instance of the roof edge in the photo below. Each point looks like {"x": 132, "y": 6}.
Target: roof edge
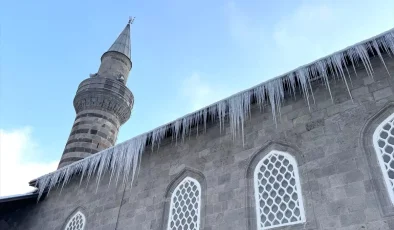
{"x": 18, "y": 197}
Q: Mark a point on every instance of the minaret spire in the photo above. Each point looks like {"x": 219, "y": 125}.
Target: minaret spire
{"x": 122, "y": 43}
{"x": 116, "y": 61}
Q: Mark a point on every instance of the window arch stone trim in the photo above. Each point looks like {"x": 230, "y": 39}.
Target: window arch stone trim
{"x": 176, "y": 179}
{"x": 255, "y": 158}
{"x": 296, "y": 190}
{"x": 377, "y": 177}
{"x": 80, "y": 210}
{"x": 377, "y": 138}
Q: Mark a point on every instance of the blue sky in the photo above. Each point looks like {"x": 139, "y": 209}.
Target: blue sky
{"x": 186, "y": 54}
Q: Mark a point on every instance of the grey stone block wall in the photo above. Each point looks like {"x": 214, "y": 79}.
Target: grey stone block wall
{"x": 341, "y": 184}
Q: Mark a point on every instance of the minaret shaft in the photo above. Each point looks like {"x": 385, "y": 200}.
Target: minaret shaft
{"x": 102, "y": 104}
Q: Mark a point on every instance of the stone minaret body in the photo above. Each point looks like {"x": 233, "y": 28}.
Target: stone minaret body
{"x": 102, "y": 103}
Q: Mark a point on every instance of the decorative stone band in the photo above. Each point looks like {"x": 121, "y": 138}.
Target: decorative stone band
{"x": 93, "y": 131}
{"x": 124, "y": 157}
{"x": 104, "y": 94}
{"x": 117, "y": 56}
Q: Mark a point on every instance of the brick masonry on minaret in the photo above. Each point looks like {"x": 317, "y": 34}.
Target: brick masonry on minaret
{"x": 102, "y": 104}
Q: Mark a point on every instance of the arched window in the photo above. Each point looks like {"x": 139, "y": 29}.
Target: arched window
{"x": 383, "y": 141}
{"x": 278, "y": 191}
{"x": 185, "y": 205}
{"x": 76, "y": 222}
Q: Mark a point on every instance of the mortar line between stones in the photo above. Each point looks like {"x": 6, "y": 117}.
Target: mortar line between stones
{"x": 120, "y": 206}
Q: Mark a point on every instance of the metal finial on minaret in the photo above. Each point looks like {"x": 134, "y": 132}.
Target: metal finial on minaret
{"x": 131, "y": 20}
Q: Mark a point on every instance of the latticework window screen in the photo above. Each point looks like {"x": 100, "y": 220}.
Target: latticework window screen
{"x": 278, "y": 191}
{"x": 185, "y": 206}
{"x": 76, "y": 222}
{"x": 383, "y": 140}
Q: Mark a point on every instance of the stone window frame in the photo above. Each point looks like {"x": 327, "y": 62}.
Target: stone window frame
{"x": 376, "y": 139}
{"x": 79, "y": 210}
{"x": 292, "y": 161}
{"x": 197, "y": 210}
{"x": 176, "y": 179}
{"x": 377, "y": 177}
{"x": 258, "y": 154}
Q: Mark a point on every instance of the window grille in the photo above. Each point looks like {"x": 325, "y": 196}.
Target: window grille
{"x": 76, "y": 222}
{"x": 185, "y": 205}
{"x": 383, "y": 141}
{"x": 278, "y": 191}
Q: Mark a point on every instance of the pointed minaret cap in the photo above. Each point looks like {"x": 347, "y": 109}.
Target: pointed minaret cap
{"x": 122, "y": 43}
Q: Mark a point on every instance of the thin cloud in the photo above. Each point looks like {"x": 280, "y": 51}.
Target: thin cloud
{"x": 15, "y": 173}
{"x": 318, "y": 28}
{"x": 247, "y": 32}
{"x": 200, "y": 93}
{"x": 306, "y": 34}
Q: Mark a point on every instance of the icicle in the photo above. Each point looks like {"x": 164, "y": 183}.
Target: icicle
{"x": 337, "y": 63}
{"x": 259, "y": 93}
{"x": 84, "y": 167}
{"x": 322, "y": 69}
{"x": 221, "y": 110}
{"x": 185, "y": 127}
{"x": 205, "y": 117}
{"x": 158, "y": 135}
{"x": 196, "y": 119}
{"x": 66, "y": 178}
{"x": 360, "y": 52}
{"x": 309, "y": 83}
{"x": 292, "y": 82}
{"x": 353, "y": 59}
{"x": 387, "y": 41}
{"x": 213, "y": 112}
{"x": 303, "y": 79}
{"x": 275, "y": 95}
{"x": 239, "y": 108}
{"x": 42, "y": 183}
{"x": 345, "y": 64}
{"x": 103, "y": 166}
{"x": 176, "y": 126}
{"x": 376, "y": 47}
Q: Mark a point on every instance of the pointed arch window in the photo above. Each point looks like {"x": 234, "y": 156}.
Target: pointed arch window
{"x": 277, "y": 190}
{"x": 76, "y": 222}
{"x": 185, "y": 205}
{"x": 383, "y": 141}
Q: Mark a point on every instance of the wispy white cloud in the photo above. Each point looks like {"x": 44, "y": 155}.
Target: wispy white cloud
{"x": 245, "y": 30}
{"x": 15, "y": 171}
{"x": 318, "y": 28}
{"x": 307, "y": 31}
{"x": 200, "y": 92}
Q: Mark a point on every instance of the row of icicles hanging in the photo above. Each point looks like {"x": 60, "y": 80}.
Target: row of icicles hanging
{"x": 124, "y": 158}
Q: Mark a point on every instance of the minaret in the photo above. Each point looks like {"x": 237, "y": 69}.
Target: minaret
{"x": 102, "y": 103}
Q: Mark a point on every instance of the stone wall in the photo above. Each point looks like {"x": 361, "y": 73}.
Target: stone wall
{"x": 342, "y": 185}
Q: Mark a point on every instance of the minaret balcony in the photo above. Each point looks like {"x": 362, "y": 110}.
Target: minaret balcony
{"x": 104, "y": 94}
